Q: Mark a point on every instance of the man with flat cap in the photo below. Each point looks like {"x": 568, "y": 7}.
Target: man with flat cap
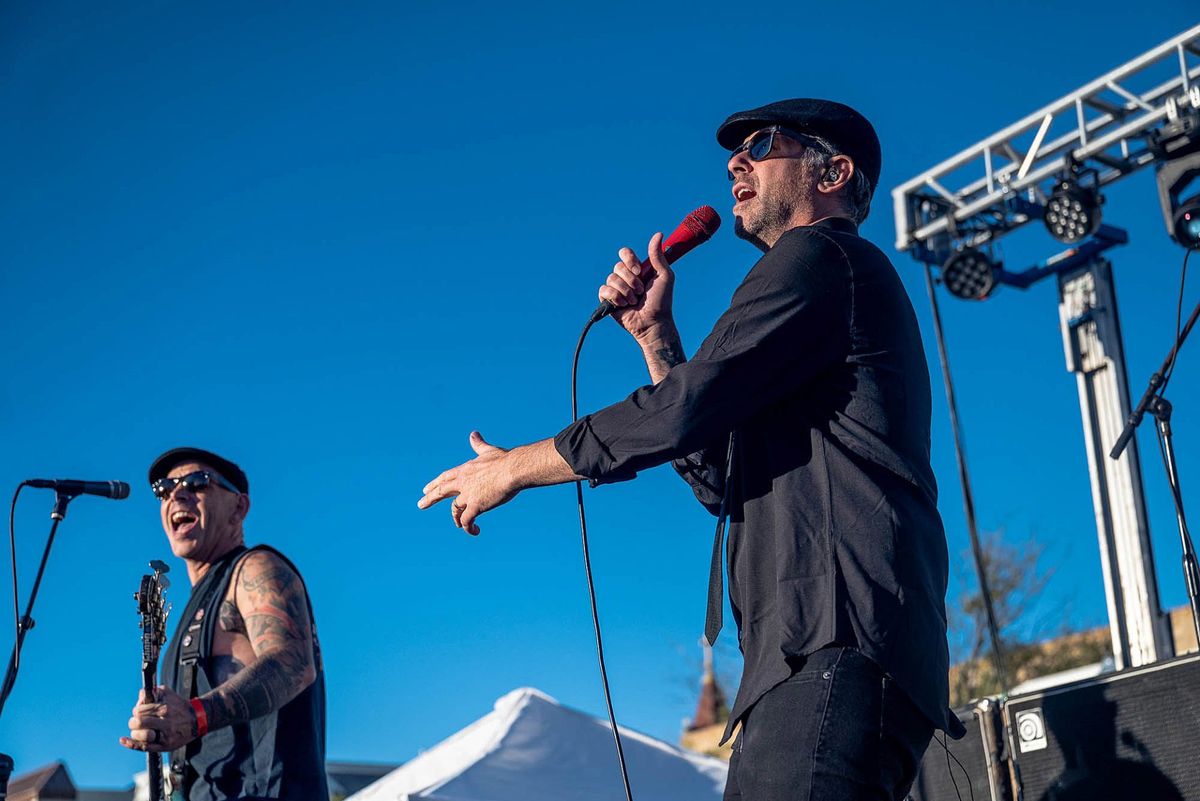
{"x": 242, "y": 706}
{"x": 805, "y": 414}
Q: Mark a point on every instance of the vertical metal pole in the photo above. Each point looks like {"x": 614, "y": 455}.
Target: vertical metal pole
{"x": 1094, "y": 352}
{"x": 1191, "y": 570}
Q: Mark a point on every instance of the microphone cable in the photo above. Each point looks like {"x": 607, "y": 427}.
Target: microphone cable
{"x": 950, "y": 771}
{"x": 15, "y": 663}
{"x": 587, "y": 567}
{"x": 12, "y": 549}
{"x": 695, "y": 229}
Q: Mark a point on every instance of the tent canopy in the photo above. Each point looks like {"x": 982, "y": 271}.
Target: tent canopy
{"x": 530, "y": 748}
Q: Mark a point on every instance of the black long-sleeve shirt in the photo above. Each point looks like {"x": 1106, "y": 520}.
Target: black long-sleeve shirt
{"x": 835, "y": 536}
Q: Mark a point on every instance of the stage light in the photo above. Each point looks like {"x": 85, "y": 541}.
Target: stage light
{"x": 1187, "y": 223}
{"x": 969, "y": 274}
{"x": 1073, "y": 212}
{"x": 1177, "y": 146}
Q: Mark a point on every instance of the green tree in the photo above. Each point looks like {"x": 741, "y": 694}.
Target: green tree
{"x": 1034, "y": 638}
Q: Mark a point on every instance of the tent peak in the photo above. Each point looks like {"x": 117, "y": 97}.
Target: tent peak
{"x": 514, "y": 698}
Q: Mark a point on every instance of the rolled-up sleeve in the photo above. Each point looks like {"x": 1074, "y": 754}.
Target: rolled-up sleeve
{"x": 788, "y": 321}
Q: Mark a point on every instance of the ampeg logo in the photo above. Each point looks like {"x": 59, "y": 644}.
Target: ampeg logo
{"x": 1031, "y": 730}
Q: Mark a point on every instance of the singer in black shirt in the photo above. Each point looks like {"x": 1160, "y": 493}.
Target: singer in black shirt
{"x": 836, "y": 554}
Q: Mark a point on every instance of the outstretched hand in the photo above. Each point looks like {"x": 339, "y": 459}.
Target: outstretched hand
{"x": 476, "y": 486}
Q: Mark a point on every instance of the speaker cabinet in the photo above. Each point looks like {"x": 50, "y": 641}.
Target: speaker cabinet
{"x": 972, "y": 767}
{"x": 1128, "y": 735}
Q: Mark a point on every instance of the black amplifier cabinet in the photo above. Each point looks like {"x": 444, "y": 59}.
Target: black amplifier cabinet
{"x": 1128, "y": 735}
{"x": 975, "y": 765}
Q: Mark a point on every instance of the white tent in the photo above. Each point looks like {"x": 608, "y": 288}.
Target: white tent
{"x": 529, "y": 748}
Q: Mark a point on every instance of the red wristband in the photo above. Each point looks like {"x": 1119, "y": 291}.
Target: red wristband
{"x": 201, "y": 717}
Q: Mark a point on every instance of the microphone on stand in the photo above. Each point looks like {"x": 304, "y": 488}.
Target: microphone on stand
{"x": 66, "y": 490}
{"x": 105, "y": 489}
{"x": 696, "y": 229}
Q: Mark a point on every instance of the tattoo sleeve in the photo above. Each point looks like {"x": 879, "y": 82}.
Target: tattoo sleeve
{"x": 225, "y": 667}
{"x": 230, "y": 618}
{"x": 273, "y": 611}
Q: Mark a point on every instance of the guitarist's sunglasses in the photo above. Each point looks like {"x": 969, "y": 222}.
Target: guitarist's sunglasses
{"x": 193, "y": 481}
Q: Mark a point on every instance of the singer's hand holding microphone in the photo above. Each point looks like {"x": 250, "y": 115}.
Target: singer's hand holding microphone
{"x": 641, "y": 292}
{"x": 638, "y": 294}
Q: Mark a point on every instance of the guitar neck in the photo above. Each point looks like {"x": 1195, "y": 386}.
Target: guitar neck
{"x": 154, "y": 765}
{"x": 149, "y": 678}
{"x": 153, "y": 610}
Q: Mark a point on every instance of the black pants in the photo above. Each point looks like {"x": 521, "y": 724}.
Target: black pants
{"x": 837, "y": 730}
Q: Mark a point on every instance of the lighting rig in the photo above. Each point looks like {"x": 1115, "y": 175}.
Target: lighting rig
{"x": 1052, "y": 166}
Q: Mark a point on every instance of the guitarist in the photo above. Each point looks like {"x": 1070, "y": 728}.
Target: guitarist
{"x": 241, "y": 708}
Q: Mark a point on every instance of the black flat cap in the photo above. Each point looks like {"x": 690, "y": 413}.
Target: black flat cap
{"x": 841, "y": 125}
{"x": 177, "y": 456}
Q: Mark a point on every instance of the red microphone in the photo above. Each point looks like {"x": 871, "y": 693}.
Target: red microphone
{"x": 696, "y": 229}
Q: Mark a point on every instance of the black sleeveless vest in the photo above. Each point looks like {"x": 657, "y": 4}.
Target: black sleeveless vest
{"x": 278, "y": 755}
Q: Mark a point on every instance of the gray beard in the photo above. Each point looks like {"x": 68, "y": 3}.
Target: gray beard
{"x": 739, "y": 230}
{"x": 768, "y": 227}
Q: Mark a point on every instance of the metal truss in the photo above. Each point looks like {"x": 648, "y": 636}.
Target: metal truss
{"x": 1003, "y": 182}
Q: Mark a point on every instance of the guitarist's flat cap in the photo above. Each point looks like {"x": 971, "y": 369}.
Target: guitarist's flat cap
{"x": 176, "y": 456}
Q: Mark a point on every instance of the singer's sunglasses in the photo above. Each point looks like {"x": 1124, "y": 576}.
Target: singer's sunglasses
{"x": 760, "y": 145}
{"x": 163, "y": 488}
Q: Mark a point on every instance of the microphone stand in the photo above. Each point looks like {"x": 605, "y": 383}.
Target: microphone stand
{"x": 1153, "y": 402}
{"x": 25, "y": 624}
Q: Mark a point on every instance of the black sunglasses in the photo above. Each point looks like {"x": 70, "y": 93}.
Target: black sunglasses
{"x": 760, "y": 145}
{"x": 163, "y": 488}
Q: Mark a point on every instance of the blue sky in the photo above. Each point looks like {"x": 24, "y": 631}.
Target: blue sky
{"x": 328, "y": 241}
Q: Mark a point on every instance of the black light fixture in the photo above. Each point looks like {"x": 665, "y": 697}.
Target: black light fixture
{"x": 1187, "y": 222}
{"x": 969, "y": 274}
{"x": 1073, "y": 211}
{"x": 1177, "y": 146}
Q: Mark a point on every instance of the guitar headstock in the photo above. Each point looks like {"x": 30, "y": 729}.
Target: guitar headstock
{"x": 153, "y": 609}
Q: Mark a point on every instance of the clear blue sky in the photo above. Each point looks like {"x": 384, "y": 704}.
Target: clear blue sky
{"x": 328, "y": 240}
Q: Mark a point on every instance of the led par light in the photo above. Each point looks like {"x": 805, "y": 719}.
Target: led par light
{"x": 969, "y": 274}
{"x": 1072, "y": 213}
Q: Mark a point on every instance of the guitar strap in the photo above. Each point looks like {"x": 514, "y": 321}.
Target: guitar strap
{"x": 192, "y": 635}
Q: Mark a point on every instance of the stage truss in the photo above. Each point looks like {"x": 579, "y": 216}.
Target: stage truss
{"x": 1003, "y": 182}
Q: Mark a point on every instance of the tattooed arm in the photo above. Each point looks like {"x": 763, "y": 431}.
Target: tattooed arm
{"x": 662, "y": 350}
{"x": 270, "y": 608}
{"x": 270, "y": 612}
{"x": 641, "y": 294}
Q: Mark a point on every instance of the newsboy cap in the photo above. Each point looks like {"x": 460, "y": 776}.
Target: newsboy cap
{"x": 839, "y": 124}
{"x": 177, "y": 456}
